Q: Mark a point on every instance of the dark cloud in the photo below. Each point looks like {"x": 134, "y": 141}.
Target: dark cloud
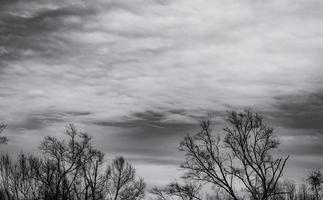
{"x": 149, "y": 116}
{"x": 175, "y": 161}
{"x": 34, "y": 122}
{"x": 30, "y": 123}
{"x": 78, "y": 113}
{"x": 303, "y": 111}
{"x": 304, "y": 147}
{"x": 144, "y": 119}
{"x": 150, "y": 138}
{"x": 38, "y": 120}
{"x": 30, "y": 32}
{"x": 297, "y": 120}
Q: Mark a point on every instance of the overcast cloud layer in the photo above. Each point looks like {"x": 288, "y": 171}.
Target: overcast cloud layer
{"x": 139, "y": 74}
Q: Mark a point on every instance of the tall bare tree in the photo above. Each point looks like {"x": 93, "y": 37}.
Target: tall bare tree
{"x": 69, "y": 169}
{"x": 92, "y": 186}
{"x": 5, "y": 177}
{"x": 63, "y": 162}
{"x": 243, "y": 156}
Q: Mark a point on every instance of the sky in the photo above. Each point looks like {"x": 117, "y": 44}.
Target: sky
{"x": 138, "y": 75}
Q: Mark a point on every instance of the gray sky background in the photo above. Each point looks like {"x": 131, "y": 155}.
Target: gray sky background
{"x": 139, "y": 74}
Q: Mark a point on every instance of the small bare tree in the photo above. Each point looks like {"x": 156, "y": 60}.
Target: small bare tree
{"x": 3, "y": 139}
{"x": 315, "y": 180}
{"x": 244, "y": 155}
{"x": 120, "y": 182}
{"x": 285, "y": 190}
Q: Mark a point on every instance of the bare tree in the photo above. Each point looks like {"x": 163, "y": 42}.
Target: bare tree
{"x": 3, "y": 139}
{"x": 285, "y": 190}
{"x": 91, "y": 175}
{"x": 16, "y": 178}
{"x": 120, "y": 182}
{"x": 303, "y": 193}
{"x": 63, "y": 163}
{"x": 315, "y": 179}
{"x": 289, "y": 190}
{"x": 244, "y": 155}
{"x": 5, "y": 176}
{"x": 68, "y": 170}
{"x": 25, "y": 186}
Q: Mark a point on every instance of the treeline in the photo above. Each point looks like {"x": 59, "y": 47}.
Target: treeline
{"x": 237, "y": 164}
{"x": 67, "y": 171}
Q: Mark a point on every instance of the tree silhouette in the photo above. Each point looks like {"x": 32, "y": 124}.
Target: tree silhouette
{"x": 3, "y": 139}
{"x": 68, "y": 170}
{"x": 121, "y": 183}
{"x": 64, "y": 161}
{"x": 243, "y": 156}
{"x": 315, "y": 179}
{"x": 285, "y": 190}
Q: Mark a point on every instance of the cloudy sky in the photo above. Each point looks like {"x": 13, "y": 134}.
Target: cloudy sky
{"x": 138, "y": 74}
